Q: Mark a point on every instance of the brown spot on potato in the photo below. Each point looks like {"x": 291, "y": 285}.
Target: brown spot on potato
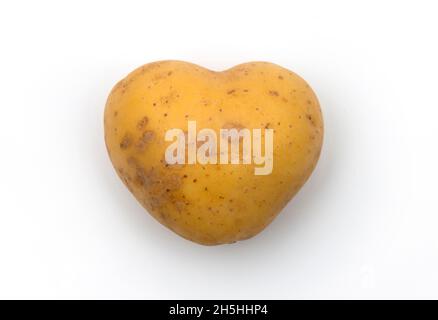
{"x": 231, "y": 91}
{"x": 145, "y": 138}
{"x": 158, "y": 76}
{"x": 126, "y": 142}
{"x": 142, "y": 123}
{"x": 143, "y": 178}
{"x": 132, "y": 162}
{"x": 168, "y": 98}
{"x": 273, "y": 93}
{"x": 310, "y": 118}
{"x": 166, "y": 195}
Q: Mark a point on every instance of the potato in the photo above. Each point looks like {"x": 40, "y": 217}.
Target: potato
{"x": 212, "y": 203}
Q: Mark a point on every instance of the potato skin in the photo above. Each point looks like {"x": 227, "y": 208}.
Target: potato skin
{"x": 212, "y": 204}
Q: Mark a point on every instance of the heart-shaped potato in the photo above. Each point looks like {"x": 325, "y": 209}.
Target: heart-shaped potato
{"x": 213, "y": 202}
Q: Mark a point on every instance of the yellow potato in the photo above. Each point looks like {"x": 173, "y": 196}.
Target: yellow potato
{"x": 212, "y": 203}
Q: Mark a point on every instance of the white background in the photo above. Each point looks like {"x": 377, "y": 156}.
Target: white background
{"x": 364, "y": 226}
